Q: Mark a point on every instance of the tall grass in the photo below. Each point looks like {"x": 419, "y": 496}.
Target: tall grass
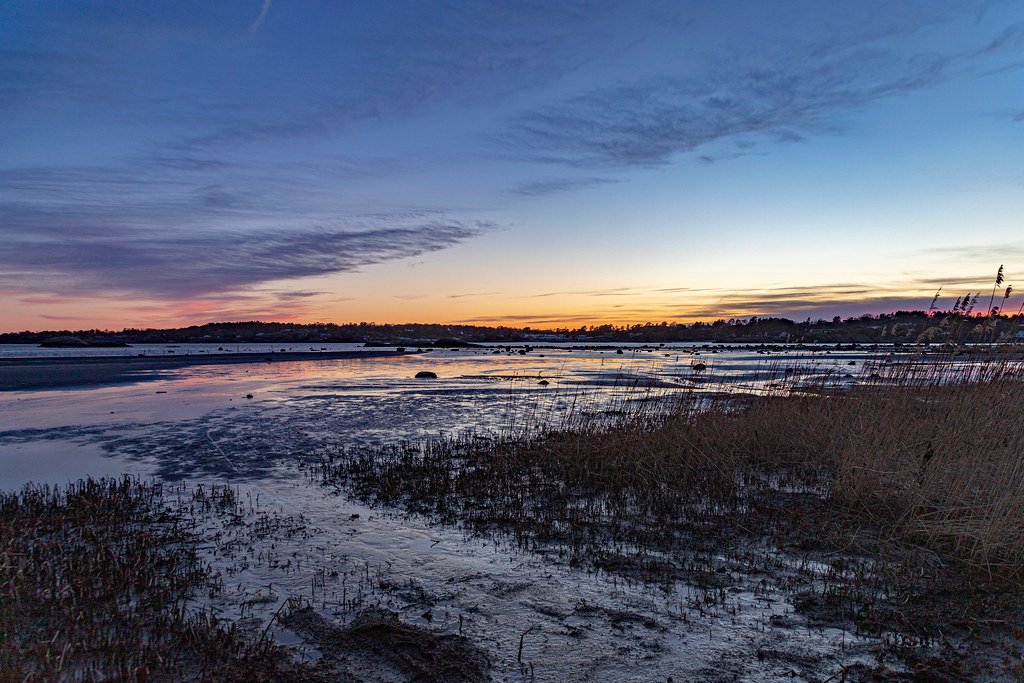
{"x": 936, "y": 458}
{"x": 927, "y": 453}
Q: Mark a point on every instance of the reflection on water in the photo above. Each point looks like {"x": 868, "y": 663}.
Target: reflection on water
{"x": 184, "y": 425}
{"x": 36, "y": 351}
{"x": 195, "y": 422}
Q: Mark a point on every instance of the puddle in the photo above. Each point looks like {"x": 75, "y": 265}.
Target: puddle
{"x": 60, "y": 462}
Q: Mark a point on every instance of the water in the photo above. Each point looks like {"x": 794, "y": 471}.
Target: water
{"x": 196, "y": 425}
{"x": 175, "y": 423}
{"x": 36, "y": 351}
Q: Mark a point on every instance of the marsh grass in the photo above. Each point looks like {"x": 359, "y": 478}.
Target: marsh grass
{"x": 95, "y": 583}
{"x": 905, "y": 489}
{"x": 925, "y": 451}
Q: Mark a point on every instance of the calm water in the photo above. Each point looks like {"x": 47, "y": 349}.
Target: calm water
{"x": 197, "y": 421}
{"x": 36, "y": 351}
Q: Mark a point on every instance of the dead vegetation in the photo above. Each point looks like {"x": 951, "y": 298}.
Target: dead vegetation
{"x": 98, "y": 581}
{"x": 95, "y": 581}
{"x": 908, "y": 489}
{"x": 935, "y": 461}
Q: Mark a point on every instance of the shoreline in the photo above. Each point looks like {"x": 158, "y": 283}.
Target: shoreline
{"x": 25, "y": 374}
{"x": 865, "y": 536}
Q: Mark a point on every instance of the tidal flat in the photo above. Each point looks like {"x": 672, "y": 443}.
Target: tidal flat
{"x": 685, "y": 512}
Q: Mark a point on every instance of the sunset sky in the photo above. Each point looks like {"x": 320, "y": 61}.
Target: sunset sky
{"x": 525, "y": 163}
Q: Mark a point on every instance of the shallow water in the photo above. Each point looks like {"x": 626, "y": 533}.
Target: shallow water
{"x": 197, "y": 421}
{"x": 575, "y": 625}
{"x": 36, "y": 351}
{"x": 198, "y": 427}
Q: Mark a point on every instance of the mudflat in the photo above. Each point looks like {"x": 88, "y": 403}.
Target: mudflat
{"x": 19, "y": 374}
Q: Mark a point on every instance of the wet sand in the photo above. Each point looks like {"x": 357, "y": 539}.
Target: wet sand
{"x": 19, "y": 374}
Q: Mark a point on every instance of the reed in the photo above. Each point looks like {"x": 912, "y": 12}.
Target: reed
{"x": 925, "y": 452}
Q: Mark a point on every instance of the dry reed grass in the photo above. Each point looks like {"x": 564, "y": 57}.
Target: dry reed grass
{"x": 893, "y": 509}
{"x": 924, "y": 453}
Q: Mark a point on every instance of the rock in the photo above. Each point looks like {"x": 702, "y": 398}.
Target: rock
{"x": 248, "y": 395}
{"x": 543, "y": 382}
{"x": 699, "y": 367}
{"x": 426, "y": 374}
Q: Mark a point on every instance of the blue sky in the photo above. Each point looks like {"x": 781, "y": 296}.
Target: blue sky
{"x": 529, "y": 163}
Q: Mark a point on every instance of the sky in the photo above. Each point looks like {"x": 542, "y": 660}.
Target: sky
{"x": 530, "y": 163}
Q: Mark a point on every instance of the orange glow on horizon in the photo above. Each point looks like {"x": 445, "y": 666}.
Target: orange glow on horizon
{"x": 569, "y": 312}
{"x": 561, "y": 301}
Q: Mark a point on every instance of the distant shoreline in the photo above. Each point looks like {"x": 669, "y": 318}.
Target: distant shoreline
{"x": 21, "y": 374}
{"x": 953, "y": 326}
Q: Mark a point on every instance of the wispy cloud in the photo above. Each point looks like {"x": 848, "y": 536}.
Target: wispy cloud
{"x": 203, "y": 310}
{"x": 466, "y": 295}
{"x": 411, "y": 58}
{"x": 646, "y": 124}
{"x": 615, "y": 291}
{"x": 745, "y": 97}
{"x": 290, "y": 296}
{"x": 198, "y": 263}
{"x": 984, "y": 253}
{"x": 540, "y": 188}
{"x": 62, "y": 317}
{"x": 535, "y": 319}
{"x": 688, "y": 304}
{"x": 264, "y": 10}
{"x": 814, "y": 308}
{"x": 188, "y": 226}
